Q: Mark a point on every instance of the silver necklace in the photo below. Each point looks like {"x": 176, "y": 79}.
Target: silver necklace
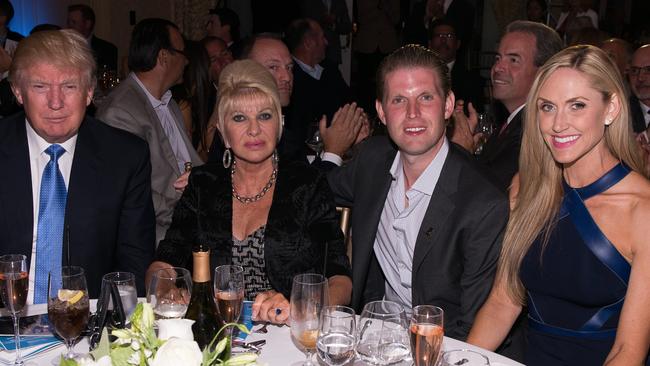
{"x": 246, "y": 200}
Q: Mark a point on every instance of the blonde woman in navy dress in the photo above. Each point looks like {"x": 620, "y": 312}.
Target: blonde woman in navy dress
{"x": 576, "y": 250}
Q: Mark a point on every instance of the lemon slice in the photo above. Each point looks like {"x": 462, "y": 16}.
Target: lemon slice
{"x": 71, "y": 296}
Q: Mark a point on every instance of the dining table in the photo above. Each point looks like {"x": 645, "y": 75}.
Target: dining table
{"x": 279, "y": 349}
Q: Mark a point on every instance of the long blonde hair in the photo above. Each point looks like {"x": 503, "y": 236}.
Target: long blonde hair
{"x": 540, "y": 176}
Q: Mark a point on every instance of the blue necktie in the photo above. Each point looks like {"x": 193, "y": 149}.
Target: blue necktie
{"x": 51, "y": 216}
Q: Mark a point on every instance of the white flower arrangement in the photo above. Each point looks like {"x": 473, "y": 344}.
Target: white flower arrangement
{"x": 174, "y": 345}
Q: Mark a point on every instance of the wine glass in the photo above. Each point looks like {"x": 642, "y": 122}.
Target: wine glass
{"x": 485, "y": 127}
{"x": 169, "y": 292}
{"x": 229, "y": 292}
{"x": 13, "y": 291}
{"x": 125, "y": 282}
{"x": 337, "y": 335}
{"x": 426, "y": 334}
{"x": 68, "y": 305}
{"x": 309, "y": 294}
{"x": 464, "y": 357}
{"x": 383, "y": 336}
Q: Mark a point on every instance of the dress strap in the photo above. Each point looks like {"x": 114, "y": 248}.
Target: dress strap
{"x": 603, "y": 183}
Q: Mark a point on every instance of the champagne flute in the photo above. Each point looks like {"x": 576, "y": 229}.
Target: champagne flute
{"x": 68, "y": 306}
{"x": 309, "y": 294}
{"x": 337, "y": 335}
{"x": 229, "y": 292}
{"x": 426, "y": 334}
{"x": 13, "y": 290}
{"x": 125, "y": 282}
{"x": 169, "y": 292}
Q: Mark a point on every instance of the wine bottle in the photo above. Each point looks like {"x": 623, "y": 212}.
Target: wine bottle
{"x": 202, "y": 308}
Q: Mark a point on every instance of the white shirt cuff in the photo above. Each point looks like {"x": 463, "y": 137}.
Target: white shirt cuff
{"x": 332, "y": 158}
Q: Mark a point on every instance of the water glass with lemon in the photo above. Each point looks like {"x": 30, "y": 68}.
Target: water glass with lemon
{"x": 68, "y": 306}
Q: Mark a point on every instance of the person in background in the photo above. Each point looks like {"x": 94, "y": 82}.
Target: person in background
{"x": 8, "y": 43}
{"x": 620, "y": 51}
{"x": 333, "y": 17}
{"x": 224, "y": 23}
{"x": 537, "y": 11}
{"x": 639, "y": 76}
{"x": 81, "y": 18}
{"x": 275, "y": 218}
{"x": 67, "y": 175}
{"x": 142, "y": 104}
{"x": 579, "y": 209}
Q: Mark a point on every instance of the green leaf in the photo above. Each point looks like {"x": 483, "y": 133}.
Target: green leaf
{"x": 221, "y": 345}
{"x": 65, "y": 362}
{"x": 241, "y": 327}
{"x": 103, "y": 348}
{"x": 120, "y": 355}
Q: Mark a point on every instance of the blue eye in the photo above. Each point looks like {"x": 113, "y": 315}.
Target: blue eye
{"x": 265, "y": 116}
{"x": 546, "y": 107}
{"x": 578, "y": 105}
{"x": 239, "y": 118}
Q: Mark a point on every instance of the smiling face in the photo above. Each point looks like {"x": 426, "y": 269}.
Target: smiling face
{"x": 572, "y": 116}
{"x": 414, "y": 110}
{"x": 514, "y": 70}
{"x": 251, "y": 127}
{"x": 55, "y": 100}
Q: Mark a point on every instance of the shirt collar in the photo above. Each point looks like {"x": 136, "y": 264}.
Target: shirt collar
{"x": 314, "y": 72}
{"x": 514, "y": 113}
{"x": 155, "y": 103}
{"x": 38, "y": 145}
{"x": 450, "y": 65}
{"x": 430, "y": 174}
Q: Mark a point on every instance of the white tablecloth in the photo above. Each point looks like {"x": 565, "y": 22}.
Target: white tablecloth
{"x": 278, "y": 351}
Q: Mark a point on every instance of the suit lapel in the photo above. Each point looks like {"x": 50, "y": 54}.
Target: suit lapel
{"x": 440, "y": 207}
{"x": 16, "y": 199}
{"x": 499, "y": 141}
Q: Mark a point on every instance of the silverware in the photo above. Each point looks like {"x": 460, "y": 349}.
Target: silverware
{"x": 255, "y": 346}
{"x": 263, "y": 329}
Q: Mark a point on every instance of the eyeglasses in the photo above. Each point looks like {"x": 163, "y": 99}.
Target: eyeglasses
{"x": 449, "y": 36}
{"x": 175, "y": 50}
{"x": 636, "y": 71}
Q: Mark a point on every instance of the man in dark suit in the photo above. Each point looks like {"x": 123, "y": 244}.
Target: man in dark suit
{"x": 523, "y": 49}
{"x": 639, "y": 74}
{"x": 66, "y": 173}
{"x": 426, "y": 224}
{"x": 81, "y": 18}
{"x": 334, "y": 19}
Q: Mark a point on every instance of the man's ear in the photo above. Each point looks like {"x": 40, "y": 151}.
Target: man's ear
{"x": 380, "y": 111}
{"x": 17, "y": 93}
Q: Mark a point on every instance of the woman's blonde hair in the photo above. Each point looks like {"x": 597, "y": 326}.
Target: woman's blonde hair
{"x": 243, "y": 82}
{"x": 540, "y": 176}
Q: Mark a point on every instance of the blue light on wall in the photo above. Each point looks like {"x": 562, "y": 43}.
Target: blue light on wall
{"x": 29, "y": 13}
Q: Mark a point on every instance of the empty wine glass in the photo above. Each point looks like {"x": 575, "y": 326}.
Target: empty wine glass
{"x": 125, "y": 282}
{"x": 383, "y": 334}
{"x": 13, "y": 291}
{"x": 485, "y": 127}
{"x": 309, "y": 294}
{"x": 337, "y": 335}
{"x": 229, "y": 292}
{"x": 169, "y": 292}
{"x": 426, "y": 334}
{"x": 68, "y": 306}
{"x": 464, "y": 357}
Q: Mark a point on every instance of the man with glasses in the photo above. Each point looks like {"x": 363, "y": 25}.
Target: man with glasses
{"x": 142, "y": 104}
{"x": 467, "y": 85}
{"x": 639, "y": 74}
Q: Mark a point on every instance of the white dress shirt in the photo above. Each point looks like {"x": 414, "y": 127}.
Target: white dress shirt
{"x": 169, "y": 125}
{"x": 38, "y": 159}
{"x": 646, "y": 113}
{"x": 314, "y": 72}
{"x": 400, "y": 223}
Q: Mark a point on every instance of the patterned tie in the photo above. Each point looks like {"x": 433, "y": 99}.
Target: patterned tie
{"x": 51, "y": 215}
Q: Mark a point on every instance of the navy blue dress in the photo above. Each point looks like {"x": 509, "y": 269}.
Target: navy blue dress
{"x": 575, "y": 285}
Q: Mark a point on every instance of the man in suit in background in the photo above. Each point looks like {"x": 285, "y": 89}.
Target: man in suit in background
{"x": 427, "y": 225}
{"x": 69, "y": 176}
{"x": 523, "y": 49}
{"x": 142, "y": 105}
{"x": 639, "y": 74}
{"x": 81, "y": 18}
{"x": 333, "y": 17}
{"x": 467, "y": 85}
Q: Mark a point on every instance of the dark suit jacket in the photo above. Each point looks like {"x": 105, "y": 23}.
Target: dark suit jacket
{"x": 109, "y": 211}
{"x": 501, "y": 153}
{"x": 458, "y": 242}
{"x": 302, "y": 233}
{"x": 105, "y": 53}
{"x": 638, "y": 119}
{"x": 467, "y": 85}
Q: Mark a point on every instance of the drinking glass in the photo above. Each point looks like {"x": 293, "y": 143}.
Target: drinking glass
{"x": 14, "y": 282}
{"x": 125, "y": 282}
{"x": 68, "y": 305}
{"x": 309, "y": 294}
{"x": 464, "y": 357}
{"x": 485, "y": 127}
{"x": 337, "y": 335}
{"x": 426, "y": 334}
{"x": 169, "y": 292}
{"x": 229, "y": 292}
{"x": 383, "y": 334}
